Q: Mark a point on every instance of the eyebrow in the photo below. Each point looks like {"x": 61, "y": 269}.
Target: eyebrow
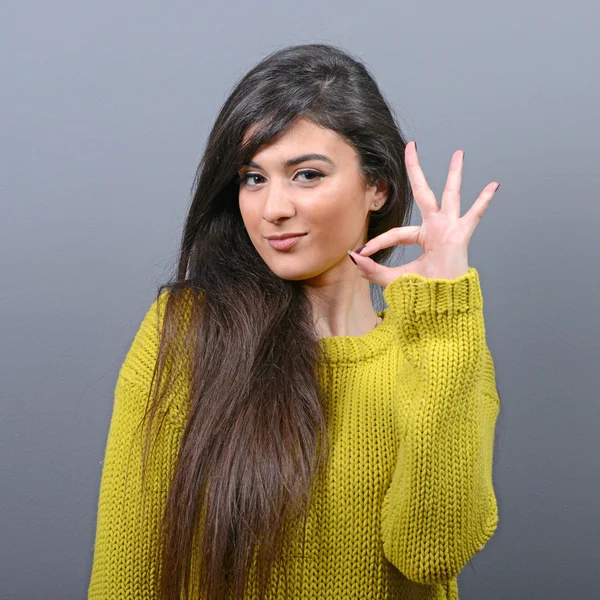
{"x": 295, "y": 161}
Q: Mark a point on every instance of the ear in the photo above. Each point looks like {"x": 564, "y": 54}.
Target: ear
{"x": 379, "y": 194}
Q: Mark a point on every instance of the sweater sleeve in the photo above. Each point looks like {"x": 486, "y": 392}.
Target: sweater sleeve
{"x": 440, "y": 507}
{"x": 125, "y": 562}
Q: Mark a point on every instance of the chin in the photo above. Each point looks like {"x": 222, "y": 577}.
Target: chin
{"x": 288, "y": 268}
{"x": 297, "y": 272}
{"x": 291, "y": 275}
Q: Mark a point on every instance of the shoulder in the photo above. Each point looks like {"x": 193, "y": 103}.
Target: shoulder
{"x": 139, "y": 371}
{"x": 141, "y": 357}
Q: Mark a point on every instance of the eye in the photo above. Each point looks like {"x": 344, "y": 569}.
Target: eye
{"x": 310, "y": 171}
{"x": 244, "y": 179}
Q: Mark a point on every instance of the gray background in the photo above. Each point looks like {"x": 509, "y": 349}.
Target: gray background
{"x": 105, "y": 111}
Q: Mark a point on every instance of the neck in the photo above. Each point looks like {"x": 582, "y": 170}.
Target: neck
{"x": 343, "y": 307}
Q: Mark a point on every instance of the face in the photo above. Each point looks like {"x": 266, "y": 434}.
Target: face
{"x": 321, "y": 198}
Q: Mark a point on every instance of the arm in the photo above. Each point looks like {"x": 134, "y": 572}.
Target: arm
{"x": 440, "y": 508}
{"x": 125, "y": 564}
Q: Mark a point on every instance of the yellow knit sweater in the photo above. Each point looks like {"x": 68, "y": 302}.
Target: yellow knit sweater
{"x": 408, "y": 498}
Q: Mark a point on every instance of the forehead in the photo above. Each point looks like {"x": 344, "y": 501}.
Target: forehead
{"x": 303, "y": 134}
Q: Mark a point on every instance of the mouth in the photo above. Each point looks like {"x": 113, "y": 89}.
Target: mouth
{"x": 286, "y": 243}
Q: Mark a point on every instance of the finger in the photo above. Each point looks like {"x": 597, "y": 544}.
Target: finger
{"x": 451, "y": 193}
{"x": 473, "y": 216}
{"x": 424, "y": 197}
{"x": 397, "y": 235}
{"x": 371, "y": 270}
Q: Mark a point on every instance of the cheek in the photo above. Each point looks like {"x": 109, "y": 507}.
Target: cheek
{"x": 336, "y": 221}
{"x": 250, "y": 217}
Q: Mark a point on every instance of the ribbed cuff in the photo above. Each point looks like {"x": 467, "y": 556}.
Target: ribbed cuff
{"x": 412, "y": 292}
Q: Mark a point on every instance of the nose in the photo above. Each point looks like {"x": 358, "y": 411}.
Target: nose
{"x": 278, "y": 202}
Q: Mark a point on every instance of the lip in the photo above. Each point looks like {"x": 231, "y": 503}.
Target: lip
{"x": 283, "y": 236}
{"x": 285, "y": 242}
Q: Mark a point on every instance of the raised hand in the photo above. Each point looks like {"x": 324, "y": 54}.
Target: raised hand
{"x": 443, "y": 234}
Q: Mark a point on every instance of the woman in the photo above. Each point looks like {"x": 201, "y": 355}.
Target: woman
{"x": 297, "y": 443}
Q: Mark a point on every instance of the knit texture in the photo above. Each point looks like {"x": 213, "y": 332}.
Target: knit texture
{"x": 407, "y": 498}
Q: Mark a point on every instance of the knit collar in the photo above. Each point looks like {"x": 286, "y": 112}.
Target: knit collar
{"x": 356, "y": 348}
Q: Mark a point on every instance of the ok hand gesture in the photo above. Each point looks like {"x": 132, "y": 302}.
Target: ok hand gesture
{"x": 443, "y": 234}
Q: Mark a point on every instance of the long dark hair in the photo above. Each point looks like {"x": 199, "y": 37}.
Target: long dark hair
{"x": 254, "y": 439}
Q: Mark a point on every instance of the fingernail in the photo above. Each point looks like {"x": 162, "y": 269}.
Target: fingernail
{"x": 359, "y": 249}
{"x": 415, "y": 144}
{"x": 351, "y": 257}
{"x": 496, "y": 189}
{"x": 463, "y": 155}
